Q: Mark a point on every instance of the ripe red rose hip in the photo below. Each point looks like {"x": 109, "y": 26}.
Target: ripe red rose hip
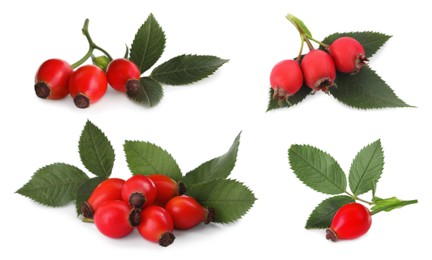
{"x": 318, "y": 70}
{"x": 115, "y": 218}
{"x": 157, "y": 225}
{"x": 87, "y": 85}
{"x": 348, "y": 55}
{"x": 286, "y": 78}
{"x": 350, "y": 221}
{"x": 186, "y": 212}
{"x": 120, "y": 71}
{"x": 51, "y": 80}
{"x": 139, "y": 191}
{"x": 166, "y": 187}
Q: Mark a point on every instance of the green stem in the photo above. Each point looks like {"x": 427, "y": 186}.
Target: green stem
{"x": 320, "y": 43}
{"x": 309, "y": 44}
{"x": 359, "y": 199}
{"x": 301, "y": 48}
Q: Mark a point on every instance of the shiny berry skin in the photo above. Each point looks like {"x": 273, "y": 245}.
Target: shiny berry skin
{"x": 113, "y": 219}
{"x": 51, "y": 80}
{"x": 350, "y": 221}
{"x": 87, "y": 85}
{"x": 166, "y": 187}
{"x": 120, "y": 71}
{"x": 156, "y": 225}
{"x": 348, "y": 55}
{"x": 107, "y": 190}
{"x": 318, "y": 70}
{"x": 139, "y": 191}
{"x": 286, "y": 78}
{"x": 186, "y": 212}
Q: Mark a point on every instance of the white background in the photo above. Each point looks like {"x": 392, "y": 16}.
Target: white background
{"x": 196, "y": 123}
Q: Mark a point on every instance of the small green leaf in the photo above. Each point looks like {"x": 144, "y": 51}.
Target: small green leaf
{"x": 147, "y": 158}
{"x": 54, "y": 185}
{"x": 186, "y": 69}
{"x": 371, "y": 41}
{"x": 148, "y": 44}
{"x": 96, "y": 151}
{"x": 147, "y": 92}
{"x": 217, "y": 168}
{"x": 389, "y": 204}
{"x": 293, "y": 100}
{"x": 365, "y": 90}
{"x": 299, "y": 24}
{"x": 230, "y": 199}
{"x": 322, "y": 215}
{"x": 317, "y": 169}
{"x": 85, "y": 190}
{"x": 366, "y": 168}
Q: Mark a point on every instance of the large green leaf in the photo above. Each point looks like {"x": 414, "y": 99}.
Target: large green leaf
{"x": 274, "y": 103}
{"x": 85, "y": 190}
{"x": 317, "y": 169}
{"x": 54, "y": 185}
{"x": 389, "y": 204}
{"x": 146, "y": 91}
{"x": 322, "y": 215}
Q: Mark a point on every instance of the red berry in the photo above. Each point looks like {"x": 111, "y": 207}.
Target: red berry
{"x": 318, "y": 70}
{"x": 186, "y": 212}
{"x": 52, "y": 79}
{"x": 120, "y": 71}
{"x": 139, "y": 191}
{"x": 115, "y": 218}
{"x": 166, "y": 187}
{"x": 286, "y": 78}
{"x": 350, "y": 221}
{"x": 348, "y": 55}
{"x": 87, "y": 85}
{"x": 157, "y": 225}
{"x": 107, "y": 190}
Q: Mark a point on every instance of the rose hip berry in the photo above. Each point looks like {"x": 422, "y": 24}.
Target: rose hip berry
{"x": 348, "y": 55}
{"x": 318, "y": 70}
{"x": 286, "y": 78}
{"x": 139, "y": 191}
{"x": 157, "y": 225}
{"x": 350, "y": 221}
{"x": 87, "y": 85}
{"x": 120, "y": 71}
{"x": 51, "y": 80}
{"x": 166, "y": 187}
{"x": 107, "y": 190}
{"x": 186, "y": 212}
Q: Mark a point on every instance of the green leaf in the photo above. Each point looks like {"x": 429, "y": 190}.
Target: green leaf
{"x": 146, "y": 92}
{"x": 96, "y": 151}
{"x": 389, "y": 204}
{"x": 148, "y": 44}
{"x": 371, "y": 41}
{"x": 299, "y": 24}
{"x": 317, "y": 169}
{"x": 230, "y": 199}
{"x": 293, "y": 100}
{"x": 54, "y": 185}
{"x": 147, "y": 158}
{"x": 217, "y": 168}
{"x": 322, "y": 215}
{"x": 186, "y": 69}
{"x": 85, "y": 190}
{"x": 365, "y": 90}
{"x": 366, "y": 168}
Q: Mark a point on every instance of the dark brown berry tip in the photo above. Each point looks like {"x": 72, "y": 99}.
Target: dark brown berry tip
{"x": 181, "y": 188}
{"x": 166, "y": 239}
{"x": 86, "y": 210}
{"x": 81, "y": 101}
{"x": 132, "y": 86}
{"x": 211, "y": 214}
{"x": 42, "y": 90}
{"x": 137, "y": 200}
{"x": 135, "y": 217}
{"x": 331, "y": 235}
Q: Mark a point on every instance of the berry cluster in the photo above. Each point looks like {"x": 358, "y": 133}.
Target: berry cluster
{"x": 154, "y": 204}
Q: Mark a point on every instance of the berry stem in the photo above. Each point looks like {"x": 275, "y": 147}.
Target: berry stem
{"x": 309, "y": 44}
{"x": 320, "y": 43}
{"x": 301, "y": 48}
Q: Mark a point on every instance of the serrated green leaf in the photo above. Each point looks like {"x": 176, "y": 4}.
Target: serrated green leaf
{"x": 365, "y": 90}
{"x": 293, "y": 100}
{"x": 147, "y": 158}
{"x": 299, "y": 24}
{"x": 230, "y": 199}
{"x": 96, "y": 151}
{"x": 148, "y": 44}
{"x": 148, "y": 92}
{"x": 389, "y": 204}
{"x": 217, "y": 168}
{"x": 366, "y": 168}
{"x": 371, "y": 41}
{"x": 322, "y": 215}
{"x": 54, "y": 185}
{"x": 186, "y": 69}
{"x": 85, "y": 190}
{"x": 317, "y": 169}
